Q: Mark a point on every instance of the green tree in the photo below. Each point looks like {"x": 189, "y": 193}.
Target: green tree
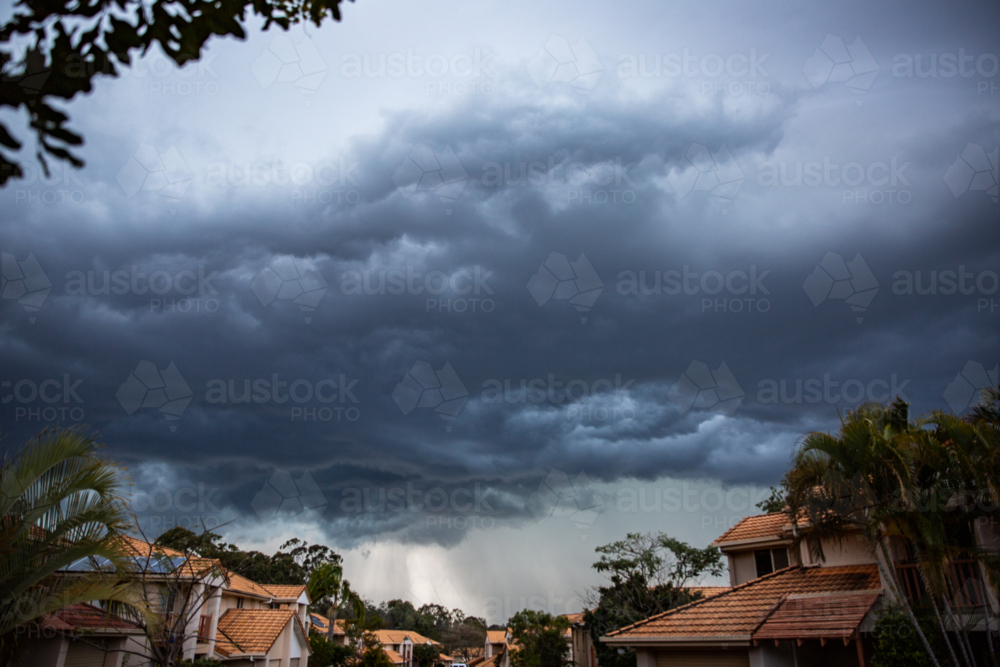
{"x": 69, "y": 43}
{"x": 371, "y": 653}
{"x": 895, "y": 643}
{"x": 426, "y": 655}
{"x": 540, "y": 639}
{"x": 924, "y": 485}
{"x": 60, "y": 503}
{"x": 329, "y": 654}
{"x": 647, "y": 575}
{"x": 774, "y": 503}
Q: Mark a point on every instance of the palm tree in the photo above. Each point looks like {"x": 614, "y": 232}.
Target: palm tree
{"x": 59, "y": 503}
{"x": 858, "y": 480}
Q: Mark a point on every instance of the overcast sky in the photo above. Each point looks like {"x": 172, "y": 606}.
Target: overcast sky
{"x": 299, "y": 286}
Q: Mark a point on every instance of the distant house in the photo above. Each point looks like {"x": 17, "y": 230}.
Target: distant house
{"x": 321, "y": 624}
{"x": 81, "y": 634}
{"x": 496, "y": 650}
{"x": 582, "y": 651}
{"x": 217, "y": 614}
{"x": 785, "y": 608}
{"x": 399, "y": 644}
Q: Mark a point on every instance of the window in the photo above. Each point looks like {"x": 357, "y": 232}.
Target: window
{"x": 763, "y": 560}
{"x": 769, "y": 560}
{"x": 239, "y": 603}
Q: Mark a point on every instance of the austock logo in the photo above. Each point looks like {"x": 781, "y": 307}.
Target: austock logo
{"x": 423, "y": 170}
{"x": 284, "y": 61}
{"x": 24, "y": 282}
{"x": 424, "y": 387}
{"x": 558, "y": 496}
{"x": 288, "y": 278}
{"x": 147, "y": 387}
{"x": 962, "y": 392}
{"x": 715, "y": 173}
{"x": 975, "y": 169}
{"x": 284, "y": 496}
{"x": 561, "y": 62}
{"x": 835, "y": 62}
{"x": 700, "y": 388}
{"x": 560, "y": 279}
{"x": 148, "y": 170}
{"x": 835, "y": 279}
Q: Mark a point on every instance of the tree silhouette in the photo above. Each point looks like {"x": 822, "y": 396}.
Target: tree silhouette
{"x": 53, "y": 49}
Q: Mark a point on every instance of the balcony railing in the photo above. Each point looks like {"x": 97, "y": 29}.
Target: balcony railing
{"x": 965, "y": 588}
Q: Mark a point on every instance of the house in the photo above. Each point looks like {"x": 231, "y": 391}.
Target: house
{"x": 321, "y": 624}
{"x": 785, "y": 606}
{"x": 80, "y": 634}
{"x": 399, "y": 644}
{"x": 582, "y": 651}
{"x": 213, "y": 613}
{"x": 496, "y": 651}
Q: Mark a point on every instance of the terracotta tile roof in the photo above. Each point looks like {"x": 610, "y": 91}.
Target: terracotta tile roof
{"x": 241, "y": 584}
{"x": 394, "y": 657}
{"x": 285, "y": 591}
{"x": 84, "y": 616}
{"x": 141, "y": 547}
{"x": 445, "y": 658}
{"x": 737, "y": 612}
{"x": 833, "y": 616}
{"x": 496, "y": 636}
{"x": 708, "y": 591}
{"x": 322, "y": 624}
{"x": 396, "y": 637}
{"x": 574, "y": 618}
{"x": 250, "y": 631}
{"x": 759, "y": 527}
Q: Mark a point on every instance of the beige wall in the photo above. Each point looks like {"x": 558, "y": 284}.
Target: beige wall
{"x": 853, "y": 550}
{"x": 742, "y": 567}
{"x": 702, "y": 658}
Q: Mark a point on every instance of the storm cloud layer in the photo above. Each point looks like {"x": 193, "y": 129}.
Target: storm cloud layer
{"x": 476, "y": 261}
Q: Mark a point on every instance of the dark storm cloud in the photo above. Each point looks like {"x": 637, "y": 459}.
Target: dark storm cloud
{"x": 703, "y": 355}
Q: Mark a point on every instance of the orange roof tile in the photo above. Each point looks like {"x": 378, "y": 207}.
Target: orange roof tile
{"x": 250, "y": 631}
{"x": 737, "y": 612}
{"x": 241, "y": 584}
{"x": 759, "y": 527}
{"x": 140, "y": 547}
{"x": 496, "y": 636}
{"x": 285, "y": 591}
{"x": 831, "y": 616}
{"x": 707, "y": 591}
{"x": 88, "y": 617}
{"x": 394, "y": 657}
{"x": 396, "y": 637}
{"x": 322, "y": 624}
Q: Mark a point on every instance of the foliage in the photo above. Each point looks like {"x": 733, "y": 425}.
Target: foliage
{"x": 540, "y": 640}
{"x": 329, "y": 654}
{"x": 426, "y": 655}
{"x": 773, "y": 503}
{"x": 464, "y": 637}
{"x": 895, "y": 644}
{"x": 60, "y": 502}
{"x": 925, "y": 485}
{"x": 293, "y": 566}
{"x": 371, "y": 654}
{"x": 53, "y": 49}
{"x": 648, "y": 574}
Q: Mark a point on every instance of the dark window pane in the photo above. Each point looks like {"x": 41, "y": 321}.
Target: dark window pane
{"x": 763, "y": 558}
{"x": 780, "y": 558}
